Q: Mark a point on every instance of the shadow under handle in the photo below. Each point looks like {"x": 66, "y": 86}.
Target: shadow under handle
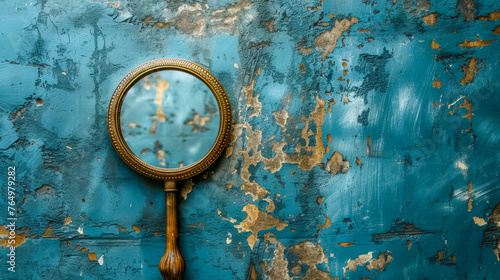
{"x": 172, "y": 264}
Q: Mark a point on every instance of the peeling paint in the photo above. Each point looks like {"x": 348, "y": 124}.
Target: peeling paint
{"x": 327, "y": 41}
{"x": 256, "y": 221}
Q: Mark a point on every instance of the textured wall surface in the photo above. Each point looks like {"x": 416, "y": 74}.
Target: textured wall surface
{"x": 365, "y": 142}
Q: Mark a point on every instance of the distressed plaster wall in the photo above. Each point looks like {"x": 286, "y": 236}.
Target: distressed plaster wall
{"x": 365, "y": 142}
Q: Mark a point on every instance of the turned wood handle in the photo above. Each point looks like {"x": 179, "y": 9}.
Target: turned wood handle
{"x": 172, "y": 265}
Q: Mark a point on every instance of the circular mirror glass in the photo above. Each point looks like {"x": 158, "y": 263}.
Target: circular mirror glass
{"x": 169, "y": 119}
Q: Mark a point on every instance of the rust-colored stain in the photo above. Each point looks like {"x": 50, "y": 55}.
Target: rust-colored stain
{"x": 434, "y": 45}
{"x": 436, "y": 84}
{"x": 92, "y": 256}
{"x": 430, "y": 19}
{"x": 358, "y": 162}
{"x": 302, "y": 67}
{"x": 345, "y": 244}
{"x": 4, "y": 240}
{"x": 136, "y": 229}
{"x": 491, "y": 16}
{"x": 362, "y": 30}
{"x": 39, "y": 102}
{"x": 470, "y": 71}
{"x": 474, "y": 44}
{"x": 67, "y": 221}
{"x": 256, "y": 221}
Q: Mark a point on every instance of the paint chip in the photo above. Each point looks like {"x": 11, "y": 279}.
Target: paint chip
{"x": 479, "y": 221}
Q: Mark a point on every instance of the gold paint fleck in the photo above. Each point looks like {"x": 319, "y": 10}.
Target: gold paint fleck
{"x": 434, "y": 45}
{"x": 470, "y": 71}
{"x": 337, "y": 164}
{"x": 329, "y": 138}
{"x": 320, "y": 199}
{"x": 364, "y": 30}
{"x": 39, "y": 102}
{"x": 302, "y": 67}
{"x": 69, "y": 147}
{"x": 92, "y": 256}
{"x": 358, "y": 162}
{"x": 197, "y": 225}
{"x": 479, "y": 221}
{"x": 77, "y": 247}
{"x": 270, "y": 25}
{"x": 491, "y": 16}
{"x": 352, "y": 265}
{"x": 252, "y": 100}
{"x": 48, "y": 231}
{"x": 430, "y": 19}
{"x": 346, "y": 99}
{"x": 5, "y": 233}
{"x": 408, "y": 244}
{"x": 83, "y": 250}
{"x": 345, "y": 244}
{"x": 122, "y": 228}
{"x": 436, "y": 84}
{"x": 256, "y": 221}
{"x": 305, "y": 51}
{"x": 327, "y": 41}
{"x": 327, "y": 150}
{"x": 474, "y": 44}
{"x": 382, "y": 260}
{"x": 67, "y": 221}
{"x": 468, "y": 106}
{"x": 309, "y": 253}
{"x": 327, "y": 223}
{"x": 136, "y": 229}
{"x": 496, "y": 31}
{"x": 229, "y": 186}
{"x": 64, "y": 73}
{"x": 344, "y": 64}
{"x": 440, "y": 256}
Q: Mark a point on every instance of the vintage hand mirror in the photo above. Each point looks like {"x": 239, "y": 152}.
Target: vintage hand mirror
{"x": 169, "y": 119}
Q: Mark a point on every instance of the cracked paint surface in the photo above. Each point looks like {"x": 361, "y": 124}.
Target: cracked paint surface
{"x": 407, "y": 90}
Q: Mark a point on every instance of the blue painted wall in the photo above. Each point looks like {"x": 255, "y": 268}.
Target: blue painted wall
{"x": 365, "y": 141}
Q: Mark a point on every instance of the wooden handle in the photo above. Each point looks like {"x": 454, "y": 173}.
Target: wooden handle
{"x": 172, "y": 265}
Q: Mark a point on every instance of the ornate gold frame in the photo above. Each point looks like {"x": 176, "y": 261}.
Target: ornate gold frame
{"x": 171, "y": 174}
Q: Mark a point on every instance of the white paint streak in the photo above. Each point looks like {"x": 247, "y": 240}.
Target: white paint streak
{"x": 80, "y": 230}
{"x": 461, "y": 96}
{"x": 101, "y": 260}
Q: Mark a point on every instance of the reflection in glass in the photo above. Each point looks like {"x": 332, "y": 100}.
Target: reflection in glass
{"x": 170, "y": 119}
